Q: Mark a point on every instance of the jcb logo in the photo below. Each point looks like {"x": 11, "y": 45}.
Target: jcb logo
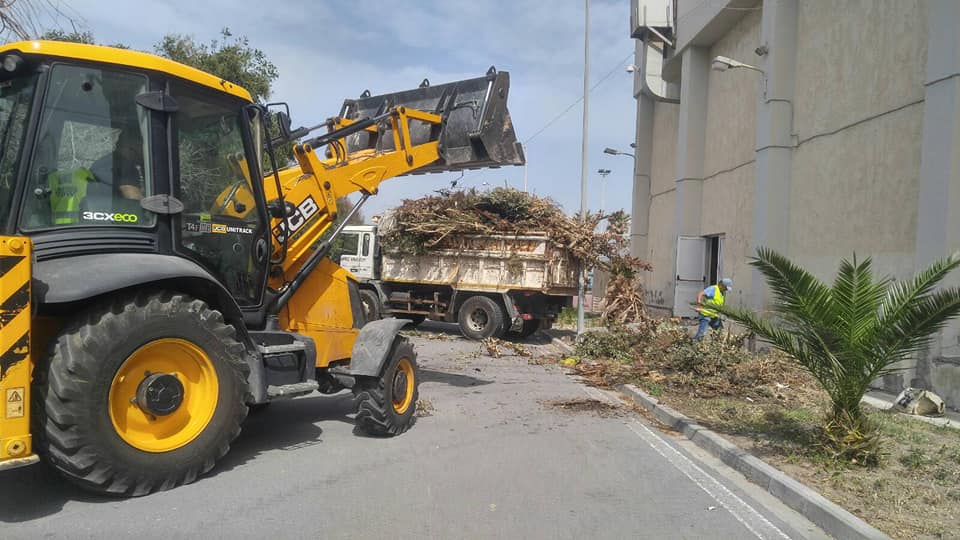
{"x": 295, "y": 222}
{"x": 218, "y": 228}
{"x": 108, "y": 216}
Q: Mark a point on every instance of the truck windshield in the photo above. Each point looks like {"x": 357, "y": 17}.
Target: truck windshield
{"x": 16, "y": 96}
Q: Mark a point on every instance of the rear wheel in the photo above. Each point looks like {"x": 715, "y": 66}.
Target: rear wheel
{"x": 371, "y": 304}
{"x": 480, "y": 317}
{"x": 529, "y": 328}
{"x": 141, "y": 395}
{"x": 386, "y": 405}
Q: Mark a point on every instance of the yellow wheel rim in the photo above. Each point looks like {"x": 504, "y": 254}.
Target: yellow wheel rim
{"x": 164, "y": 433}
{"x": 403, "y": 384}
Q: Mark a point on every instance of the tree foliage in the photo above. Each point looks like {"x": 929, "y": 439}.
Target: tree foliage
{"x": 229, "y": 57}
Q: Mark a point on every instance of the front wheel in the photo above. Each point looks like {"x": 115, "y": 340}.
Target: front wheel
{"x": 141, "y": 395}
{"x": 386, "y": 405}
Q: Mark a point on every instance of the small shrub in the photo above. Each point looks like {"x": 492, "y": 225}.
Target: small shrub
{"x": 615, "y": 344}
{"x": 915, "y": 459}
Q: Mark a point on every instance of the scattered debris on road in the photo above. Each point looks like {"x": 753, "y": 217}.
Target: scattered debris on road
{"x": 579, "y": 405}
{"x": 425, "y": 408}
{"x": 494, "y": 347}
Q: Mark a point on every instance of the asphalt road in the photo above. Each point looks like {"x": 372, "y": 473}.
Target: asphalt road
{"x": 510, "y": 450}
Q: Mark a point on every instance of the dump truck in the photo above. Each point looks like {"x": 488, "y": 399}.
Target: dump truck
{"x": 489, "y": 285}
{"x": 161, "y": 273}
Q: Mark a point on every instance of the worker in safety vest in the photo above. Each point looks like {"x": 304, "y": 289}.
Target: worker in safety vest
{"x": 714, "y": 295}
{"x": 67, "y": 189}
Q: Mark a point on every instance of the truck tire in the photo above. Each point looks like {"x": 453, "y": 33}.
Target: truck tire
{"x": 386, "y": 405}
{"x": 371, "y": 305}
{"x": 141, "y": 394}
{"x": 480, "y": 317}
{"x": 529, "y": 328}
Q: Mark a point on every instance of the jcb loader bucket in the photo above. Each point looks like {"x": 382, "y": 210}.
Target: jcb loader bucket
{"x": 476, "y": 131}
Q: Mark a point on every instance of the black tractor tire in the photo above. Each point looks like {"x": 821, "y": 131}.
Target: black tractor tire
{"x": 73, "y": 424}
{"x": 371, "y": 305}
{"x": 377, "y": 398}
{"x": 480, "y": 317}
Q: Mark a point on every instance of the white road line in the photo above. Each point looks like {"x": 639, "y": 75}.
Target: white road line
{"x": 741, "y": 511}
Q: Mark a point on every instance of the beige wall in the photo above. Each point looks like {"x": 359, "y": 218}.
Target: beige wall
{"x": 856, "y": 190}
{"x": 660, "y": 243}
{"x": 728, "y": 158}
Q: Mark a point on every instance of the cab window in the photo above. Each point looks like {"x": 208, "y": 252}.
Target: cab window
{"x": 91, "y": 164}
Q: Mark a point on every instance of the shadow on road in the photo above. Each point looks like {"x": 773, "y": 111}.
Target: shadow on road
{"x": 453, "y": 379}
{"x": 38, "y": 490}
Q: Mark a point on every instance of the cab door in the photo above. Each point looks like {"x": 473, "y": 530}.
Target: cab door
{"x": 223, "y": 225}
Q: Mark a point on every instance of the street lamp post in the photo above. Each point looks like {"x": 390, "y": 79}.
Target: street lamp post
{"x": 603, "y": 183}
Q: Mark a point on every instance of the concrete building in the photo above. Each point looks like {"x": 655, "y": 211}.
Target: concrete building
{"x": 845, "y": 138}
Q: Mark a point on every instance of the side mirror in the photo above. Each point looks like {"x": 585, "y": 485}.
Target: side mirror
{"x": 283, "y": 124}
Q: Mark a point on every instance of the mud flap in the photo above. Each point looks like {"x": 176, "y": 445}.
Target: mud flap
{"x": 372, "y": 346}
{"x": 16, "y": 366}
{"x": 476, "y": 131}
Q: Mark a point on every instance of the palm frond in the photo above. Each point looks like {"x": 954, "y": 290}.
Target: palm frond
{"x": 801, "y": 343}
{"x": 857, "y": 298}
{"x": 915, "y": 327}
{"x": 901, "y": 294}
{"x": 797, "y": 293}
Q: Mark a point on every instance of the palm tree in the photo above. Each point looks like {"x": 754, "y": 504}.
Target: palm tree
{"x": 850, "y": 334}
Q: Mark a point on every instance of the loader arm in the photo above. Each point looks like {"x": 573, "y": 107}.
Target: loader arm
{"x": 449, "y": 127}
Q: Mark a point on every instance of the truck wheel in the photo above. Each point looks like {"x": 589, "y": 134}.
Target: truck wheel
{"x": 386, "y": 404}
{"x": 371, "y": 304}
{"x": 142, "y": 394}
{"x": 480, "y": 317}
{"x": 529, "y": 328}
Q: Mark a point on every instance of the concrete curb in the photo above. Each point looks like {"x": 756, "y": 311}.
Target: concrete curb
{"x": 827, "y": 515}
{"x": 830, "y": 517}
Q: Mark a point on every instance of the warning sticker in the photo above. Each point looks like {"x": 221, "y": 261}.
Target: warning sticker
{"x": 15, "y": 402}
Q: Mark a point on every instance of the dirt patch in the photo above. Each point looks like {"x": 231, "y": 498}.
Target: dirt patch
{"x": 585, "y": 405}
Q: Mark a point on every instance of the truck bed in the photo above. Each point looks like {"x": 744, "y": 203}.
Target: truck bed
{"x": 488, "y": 263}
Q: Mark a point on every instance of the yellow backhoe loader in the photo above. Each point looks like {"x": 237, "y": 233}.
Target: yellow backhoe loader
{"x": 160, "y": 273}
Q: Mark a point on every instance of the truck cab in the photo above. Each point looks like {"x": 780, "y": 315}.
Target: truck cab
{"x": 358, "y": 251}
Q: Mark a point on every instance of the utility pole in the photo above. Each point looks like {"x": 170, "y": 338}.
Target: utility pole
{"x": 524, "y": 169}
{"x": 583, "y": 152}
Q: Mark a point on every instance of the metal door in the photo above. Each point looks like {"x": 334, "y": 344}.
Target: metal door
{"x": 691, "y": 262}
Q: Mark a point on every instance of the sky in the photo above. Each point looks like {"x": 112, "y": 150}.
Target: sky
{"x": 327, "y": 51}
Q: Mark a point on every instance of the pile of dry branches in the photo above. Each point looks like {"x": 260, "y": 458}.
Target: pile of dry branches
{"x": 418, "y": 225}
{"x": 623, "y": 299}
